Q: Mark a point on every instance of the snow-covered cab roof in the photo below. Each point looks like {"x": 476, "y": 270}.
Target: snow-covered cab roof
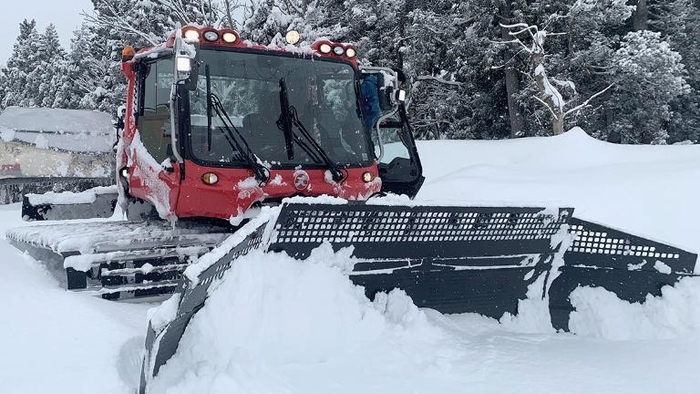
{"x": 65, "y": 129}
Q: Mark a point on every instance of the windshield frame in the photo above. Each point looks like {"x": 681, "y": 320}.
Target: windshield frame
{"x": 185, "y": 128}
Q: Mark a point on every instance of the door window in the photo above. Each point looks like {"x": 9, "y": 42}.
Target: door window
{"x": 154, "y": 122}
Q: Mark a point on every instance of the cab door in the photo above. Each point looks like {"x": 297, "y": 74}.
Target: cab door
{"x": 399, "y": 165}
{"x": 153, "y": 171}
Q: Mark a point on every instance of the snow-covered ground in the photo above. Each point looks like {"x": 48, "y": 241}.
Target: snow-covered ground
{"x": 278, "y": 326}
{"x": 52, "y": 341}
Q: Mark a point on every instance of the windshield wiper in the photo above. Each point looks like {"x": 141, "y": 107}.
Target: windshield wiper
{"x": 290, "y": 117}
{"x": 236, "y": 140}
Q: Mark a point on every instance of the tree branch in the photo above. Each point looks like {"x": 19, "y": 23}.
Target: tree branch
{"x": 440, "y": 80}
{"x": 585, "y": 103}
{"x": 546, "y": 105}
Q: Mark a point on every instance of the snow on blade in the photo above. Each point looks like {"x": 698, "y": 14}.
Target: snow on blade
{"x": 266, "y": 215}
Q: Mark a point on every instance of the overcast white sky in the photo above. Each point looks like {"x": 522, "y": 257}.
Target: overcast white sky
{"x": 65, "y": 14}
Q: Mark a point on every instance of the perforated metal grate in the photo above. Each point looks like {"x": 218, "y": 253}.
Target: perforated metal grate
{"x": 604, "y": 247}
{"x": 390, "y": 226}
{"x": 596, "y": 242}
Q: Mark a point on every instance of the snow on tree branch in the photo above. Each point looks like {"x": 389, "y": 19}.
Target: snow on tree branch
{"x": 548, "y": 94}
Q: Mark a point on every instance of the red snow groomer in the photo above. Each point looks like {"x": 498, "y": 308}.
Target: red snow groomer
{"x": 217, "y": 128}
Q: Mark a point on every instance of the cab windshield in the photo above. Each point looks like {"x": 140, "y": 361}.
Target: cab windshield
{"x": 322, "y": 93}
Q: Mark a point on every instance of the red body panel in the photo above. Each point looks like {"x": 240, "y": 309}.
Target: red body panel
{"x": 237, "y": 190}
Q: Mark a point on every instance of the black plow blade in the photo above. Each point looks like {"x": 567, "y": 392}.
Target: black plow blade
{"x": 452, "y": 259}
{"x": 632, "y": 267}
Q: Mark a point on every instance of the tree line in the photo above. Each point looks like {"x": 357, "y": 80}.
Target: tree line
{"x": 624, "y": 70}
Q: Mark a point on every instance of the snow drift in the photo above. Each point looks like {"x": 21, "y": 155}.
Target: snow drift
{"x": 276, "y": 324}
{"x": 650, "y": 191}
{"x": 600, "y": 313}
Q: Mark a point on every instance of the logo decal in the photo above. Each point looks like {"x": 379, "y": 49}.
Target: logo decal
{"x": 301, "y": 180}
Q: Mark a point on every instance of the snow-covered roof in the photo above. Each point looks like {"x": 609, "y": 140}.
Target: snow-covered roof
{"x": 66, "y": 129}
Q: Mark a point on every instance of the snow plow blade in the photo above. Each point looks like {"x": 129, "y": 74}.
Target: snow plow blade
{"x": 632, "y": 267}
{"x": 98, "y": 202}
{"x": 453, "y": 259}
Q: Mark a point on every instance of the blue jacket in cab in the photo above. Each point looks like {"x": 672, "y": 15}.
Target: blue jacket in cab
{"x": 370, "y": 100}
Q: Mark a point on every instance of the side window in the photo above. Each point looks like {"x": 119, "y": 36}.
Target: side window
{"x": 154, "y": 122}
{"x": 394, "y": 147}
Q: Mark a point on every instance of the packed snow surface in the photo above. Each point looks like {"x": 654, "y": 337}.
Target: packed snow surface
{"x": 276, "y": 325}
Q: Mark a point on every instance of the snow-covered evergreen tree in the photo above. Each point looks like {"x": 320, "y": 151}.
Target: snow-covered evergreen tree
{"x": 649, "y": 75}
{"x": 90, "y": 80}
{"x": 679, "y": 22}
{"x": 465, "y": 82}
{"x": 18, "y": 87}
{"x": 49, "y": 69}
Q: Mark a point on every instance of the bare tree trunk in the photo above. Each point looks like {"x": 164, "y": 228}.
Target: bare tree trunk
{"x": 557, "y": 112}
{"x": 558, "y": 124}
{"x": 641, "y": 16}
{"x": 517, "y": 123}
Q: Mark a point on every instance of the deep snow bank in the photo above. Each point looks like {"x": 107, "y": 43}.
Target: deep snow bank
{"x": 600, "y": 313}
{"x": 278, "y": 325}
{"x": 275, "y": 324}
{"x": 54, "y": 341}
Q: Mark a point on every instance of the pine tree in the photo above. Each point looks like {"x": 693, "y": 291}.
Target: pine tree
{"x": 679, "y": 22}
{"x": 264, "y": 21}
{"x": 46, "y": 78}
{"x": 648, "y": 76}
{"x": 17, "y": 71}
{"x": 91, "y": 77}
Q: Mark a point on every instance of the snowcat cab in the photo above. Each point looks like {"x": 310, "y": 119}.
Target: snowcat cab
{"x": 221, "y": 126}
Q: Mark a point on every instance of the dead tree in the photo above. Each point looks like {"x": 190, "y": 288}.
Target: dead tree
{"x": 548, "y": 94}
